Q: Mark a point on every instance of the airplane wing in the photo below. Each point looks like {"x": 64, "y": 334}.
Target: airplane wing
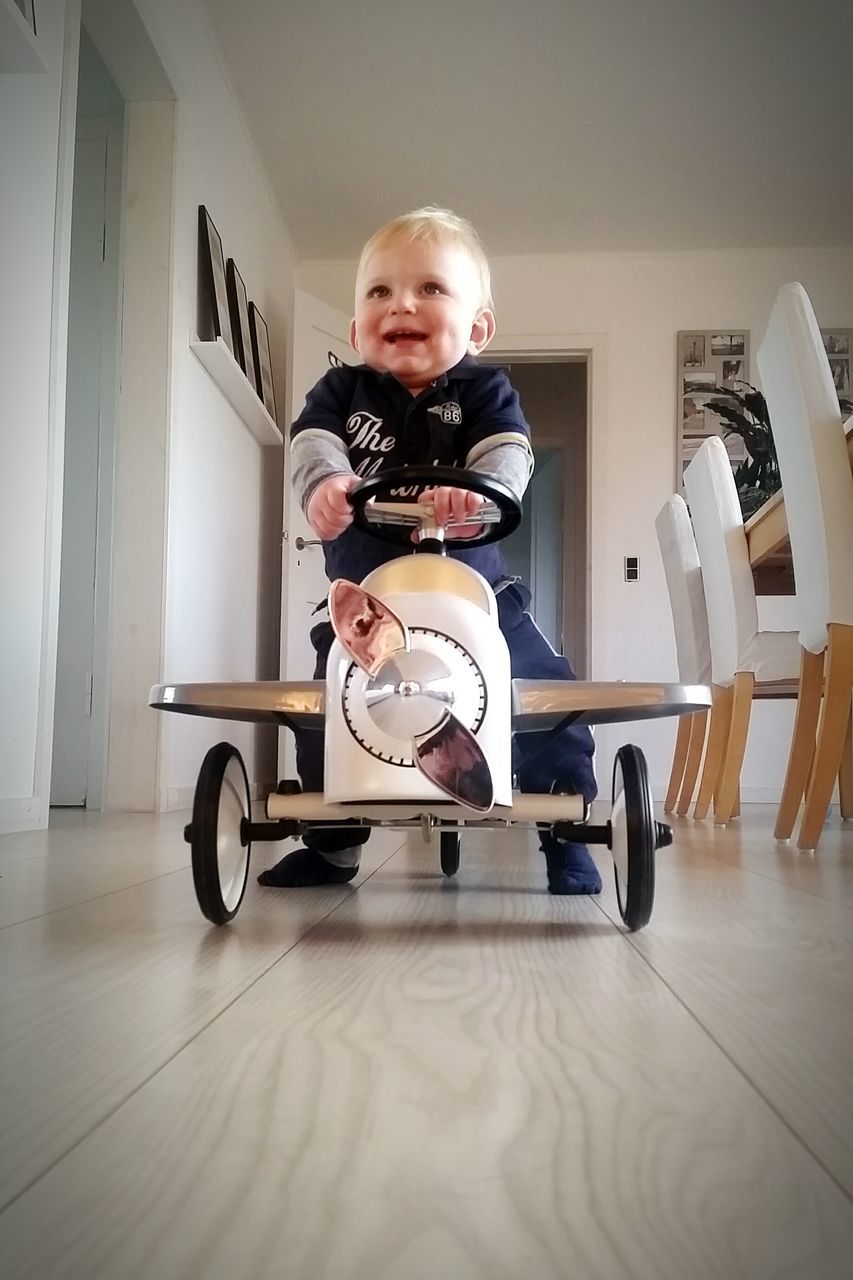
{"x": 295, "y": 704}
{"x": 536, "y": 704}
{"x": 542, "y": 704}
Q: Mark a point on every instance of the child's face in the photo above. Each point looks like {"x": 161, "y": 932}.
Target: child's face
{"x": 418, "y": 311}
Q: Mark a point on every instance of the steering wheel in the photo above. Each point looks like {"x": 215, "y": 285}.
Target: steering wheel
{"x": 379, "y": 513}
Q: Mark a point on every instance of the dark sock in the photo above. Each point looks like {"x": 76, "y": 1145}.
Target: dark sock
{"x": 571, "y": 869}
{"x": 304, "y": 868}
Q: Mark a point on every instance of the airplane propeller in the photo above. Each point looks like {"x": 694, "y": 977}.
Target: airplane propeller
{"x": 369, "y": 631}
{"x": 445, "y": 752}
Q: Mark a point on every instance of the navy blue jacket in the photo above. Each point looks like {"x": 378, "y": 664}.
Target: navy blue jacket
{"x": 382, "y": 425}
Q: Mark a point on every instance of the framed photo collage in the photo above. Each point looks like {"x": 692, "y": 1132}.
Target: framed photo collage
{"x": 709, "y": 360}
{"x": 712, "y": 360}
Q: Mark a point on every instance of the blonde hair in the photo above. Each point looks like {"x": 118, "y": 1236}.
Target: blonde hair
{"x": 439, "y": 226}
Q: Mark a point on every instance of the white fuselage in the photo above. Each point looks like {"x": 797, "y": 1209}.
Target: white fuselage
{"x": 458, "y": 660}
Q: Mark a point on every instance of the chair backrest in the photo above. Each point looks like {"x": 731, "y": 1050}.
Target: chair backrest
{"x": 813, "y": 464}
{"x": 686, "y": 591}
{"x": 724, "y": 557}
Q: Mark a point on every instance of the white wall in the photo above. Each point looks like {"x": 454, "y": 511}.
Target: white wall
{"x": 639, "y": 301}
{"x": 31, "y": 400}
{"x": 220, "y": 594}
{"x": 221, "y": 599}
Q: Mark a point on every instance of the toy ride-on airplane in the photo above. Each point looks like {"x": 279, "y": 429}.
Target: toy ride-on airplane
{"x": 419, "y": 710}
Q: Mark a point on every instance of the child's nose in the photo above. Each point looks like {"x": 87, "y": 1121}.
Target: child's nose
{"x": 403, "y": 302}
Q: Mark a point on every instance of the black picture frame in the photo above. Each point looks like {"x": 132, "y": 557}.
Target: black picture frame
{"x": 214, "y": 316}
{"x": 263, "y": 359}
{"x": 238, "y": 303}
{"x": 27, "y": 8}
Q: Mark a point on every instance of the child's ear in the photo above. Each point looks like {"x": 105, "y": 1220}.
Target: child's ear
{"x": 353, "y": 337}
{"x": 482, "y": 332}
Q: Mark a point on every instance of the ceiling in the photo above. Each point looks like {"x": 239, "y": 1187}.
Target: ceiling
{"x": 556, "y": 126}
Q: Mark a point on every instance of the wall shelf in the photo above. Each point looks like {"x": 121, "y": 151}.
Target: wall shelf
{"x": 19, "y": 45}
{"x": 238, "y": 391}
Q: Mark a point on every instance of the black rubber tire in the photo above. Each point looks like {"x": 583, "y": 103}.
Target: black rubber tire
{"x": 216, "y": 906}
{"x": 449, "y": 845}
{"x": 636, "y": 898}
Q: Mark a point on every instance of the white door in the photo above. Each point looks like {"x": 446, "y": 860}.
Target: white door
{"x": 320, "y": 338}
{"x": 75, "y": 643}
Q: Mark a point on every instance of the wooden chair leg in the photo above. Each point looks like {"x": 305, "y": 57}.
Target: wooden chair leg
{"x": 811, "y": 769}
{"x": 802, "y": 750}
{"x": 736, "y": 809}
{"x": 679, "y": 759}
{"x": 718, "y": 734}
{"x": 845, "y": 774}
{"x": 832, "y": 734}
{"x": 698, "y": 726}
{"x": 724, "y": 800}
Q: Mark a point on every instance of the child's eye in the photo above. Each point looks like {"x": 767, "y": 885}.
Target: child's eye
{"x": 432, "y": 287}
{"x": 378, "y": 291}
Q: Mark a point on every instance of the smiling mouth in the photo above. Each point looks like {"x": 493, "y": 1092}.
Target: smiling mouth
{"x": 404, "y": 335}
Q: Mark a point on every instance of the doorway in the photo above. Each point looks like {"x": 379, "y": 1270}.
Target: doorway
{"x": 79, "y": 729}
{"x": 549, "y": 549}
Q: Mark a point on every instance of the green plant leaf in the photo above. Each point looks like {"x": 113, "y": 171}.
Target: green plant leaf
{"x": 757, "y": 406}
{"x": 735, "y": 416}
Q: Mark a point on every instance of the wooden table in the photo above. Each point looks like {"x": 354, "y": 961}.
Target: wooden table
{"x": 767, "y": 539}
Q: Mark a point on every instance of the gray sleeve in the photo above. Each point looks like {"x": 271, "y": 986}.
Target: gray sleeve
{"x": 314, "y": 456}
{"x": 508, "y": 457}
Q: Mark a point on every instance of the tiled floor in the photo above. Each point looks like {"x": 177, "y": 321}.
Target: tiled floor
{"x": 410, "y": 1078}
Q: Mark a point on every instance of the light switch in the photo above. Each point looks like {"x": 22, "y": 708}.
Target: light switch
{"x": 632, "y": 568}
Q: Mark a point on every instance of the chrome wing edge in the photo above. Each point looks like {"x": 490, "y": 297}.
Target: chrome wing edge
{"x": 294, "y": 703}
{"x": 542, "y": 704}
{"x": 536, "y": 704}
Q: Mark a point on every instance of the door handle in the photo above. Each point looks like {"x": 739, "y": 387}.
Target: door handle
{"x": 301, "y": 543}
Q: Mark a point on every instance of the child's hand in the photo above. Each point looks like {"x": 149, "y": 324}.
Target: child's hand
{"x": 455, "y": 504}
{"x": 329, "y": 511}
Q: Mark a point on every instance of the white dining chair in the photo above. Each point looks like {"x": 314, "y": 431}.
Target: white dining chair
{"x": 817, "y": 485}
{"x": 746, "y": 662}
{"x": 692, "y": 645}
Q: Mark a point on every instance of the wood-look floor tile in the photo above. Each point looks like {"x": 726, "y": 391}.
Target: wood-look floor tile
{"x": 765, "y": 963}
{"x": 473, "y": 1079}
{"x": 96, "y": 997}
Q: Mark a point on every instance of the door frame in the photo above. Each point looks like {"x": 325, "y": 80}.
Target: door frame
{"x": 325, "y": 323}
{"x": 560, "y": 446}
{"x": 558, "y": 348}
{"x": 131, "y": 750}
{"x": 111, "y": 130}
{"x": 325, "y": 319}
{"x": 38, "y": 812}
{"x": 110, "y": 389}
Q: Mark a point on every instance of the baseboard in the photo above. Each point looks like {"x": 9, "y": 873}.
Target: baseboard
{"x": 753, "y": 795}
{"x": 179, "y": 798}
{"x": 182, "y": 797}
{"x": 748, "y": 795}
{"x": 22, "y": 813}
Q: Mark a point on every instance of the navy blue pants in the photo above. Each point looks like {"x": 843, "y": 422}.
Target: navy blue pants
{"x": 565, "y": 758}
